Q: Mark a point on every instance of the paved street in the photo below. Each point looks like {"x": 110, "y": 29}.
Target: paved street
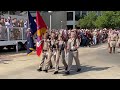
{"x": 96, "y": 63}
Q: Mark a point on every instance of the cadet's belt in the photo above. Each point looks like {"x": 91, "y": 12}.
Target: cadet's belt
{"x": 113, "y": 40}
{"x": 44, "y": 50}
{"x": 73, "y": 50}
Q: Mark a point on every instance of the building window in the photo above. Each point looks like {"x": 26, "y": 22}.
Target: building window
{"x": 3, "y": 12}
{"x": 84, "y": 13}
{"x": 77, "y": 15}
{"x": 69, "y": 16}
{"x": 69, "y": 27}
{"x": 77, "y": 27}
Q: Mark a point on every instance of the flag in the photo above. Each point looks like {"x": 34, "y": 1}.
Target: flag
{"x": 30, "y": 43}
{"x": 32, "y": 24}
{"x": 32, "y": 30}
{"x": 41, "y": 30}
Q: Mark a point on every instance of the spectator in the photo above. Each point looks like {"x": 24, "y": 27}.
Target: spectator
{"x": 15, "y": 22}
{"x": 26, "y": 24}
{"x": 10, "y": 20}
{"x": 21, "y": 23}
{"x": 8, "y": 24}
{"x": 2, "y": 22}
{"x": 95, "y": 37}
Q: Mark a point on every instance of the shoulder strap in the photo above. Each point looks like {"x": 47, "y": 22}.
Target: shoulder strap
{"x": 50, "y": 43}
{"x": 74, "y": 42}
{"x": 63, "y": 44}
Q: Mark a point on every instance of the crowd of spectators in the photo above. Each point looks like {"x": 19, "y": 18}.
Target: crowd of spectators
{"x": 87, "y": 37}
{"x": 13, "y": 22}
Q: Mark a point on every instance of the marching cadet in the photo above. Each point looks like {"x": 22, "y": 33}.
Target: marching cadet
{"x": 109, "y": 33}
{"x": 51, "y": 51}
{"x": 118, "y": 42}
{"x": 113, "y": 41}
{"x": 44, "y": 53}
{"x": 60, "y": 54}
{"x": 72, "y": 49}
{"x": 65, "y": 35}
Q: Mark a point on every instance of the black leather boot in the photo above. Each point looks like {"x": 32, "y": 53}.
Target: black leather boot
{"x": 56, "y": 72}
{"x": 40, "y": 69}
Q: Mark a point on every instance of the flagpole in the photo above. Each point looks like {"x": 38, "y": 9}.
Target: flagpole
{"x": 28, "y": 19}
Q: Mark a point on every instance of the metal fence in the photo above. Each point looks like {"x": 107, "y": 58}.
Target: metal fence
{"x": 13, "y": 33}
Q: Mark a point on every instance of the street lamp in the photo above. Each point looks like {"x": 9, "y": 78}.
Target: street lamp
{"x": 50, "y": 12}
{"x": 61, "y": 24}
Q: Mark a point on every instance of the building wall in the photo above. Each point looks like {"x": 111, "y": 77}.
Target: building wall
{"x": 57, "y": 17}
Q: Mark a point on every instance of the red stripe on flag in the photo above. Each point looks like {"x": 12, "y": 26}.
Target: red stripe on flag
{"x": 41, "y": 29}
{"x": 39, "y": 49}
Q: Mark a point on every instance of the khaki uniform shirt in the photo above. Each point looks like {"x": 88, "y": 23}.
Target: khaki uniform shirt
{"x": 70, "y": 44}
{"x": 113, "y": 37}
{"x": 46, "y": 44}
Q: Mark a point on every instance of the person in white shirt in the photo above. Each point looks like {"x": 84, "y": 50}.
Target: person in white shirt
{"x": 26, "y": 24}
{"x": 8, "y": 24}
{"x": 118, "y": 43}
{"x": 10, "y": 20}
{"x": 95, "y": 37}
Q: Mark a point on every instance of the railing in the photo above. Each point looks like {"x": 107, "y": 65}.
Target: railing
{"x": 13, "y": 33}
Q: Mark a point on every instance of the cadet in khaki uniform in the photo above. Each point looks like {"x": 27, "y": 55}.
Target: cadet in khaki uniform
{"x": 109, "y": 38}
{"x": 118, "y": 42}
{"x": 72, "y": 49}
{"x": 60, "y": 54}
{"x": 51, "y": 51}
{"x": 44, "y": 53}
{"x": 113, "y": 41}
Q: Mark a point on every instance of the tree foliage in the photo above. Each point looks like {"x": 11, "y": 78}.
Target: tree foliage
{"x": 108, "y": 19}
{"x": 88, "y": 21}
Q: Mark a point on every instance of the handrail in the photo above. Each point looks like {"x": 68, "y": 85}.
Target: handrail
{"x": 12, "y": 33}
{"x": 11, "y": 27}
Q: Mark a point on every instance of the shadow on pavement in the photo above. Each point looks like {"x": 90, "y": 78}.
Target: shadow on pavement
{"x": 3, "y": 52}
{"x": 85, "y": 68}
{"x": 4, "y": 61}
{"x": 98, "y": 45}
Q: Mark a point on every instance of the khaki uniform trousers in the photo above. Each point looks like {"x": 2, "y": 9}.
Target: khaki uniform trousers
{"x": 60, "y": 57}
{"x": 112, "y": 46}
{"x": 118, "y": 43}
{"x": 48, "y": 62}
{"x": 44, "y": 57}
{"x": 112, "y": 43}
{"x": 71, "y": 55}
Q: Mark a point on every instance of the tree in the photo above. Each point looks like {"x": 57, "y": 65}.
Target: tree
{"x": 117, "y": 18}
{"x": 108, "y": 19}
{"x": 88, "y": 21}
{"x": 82, "y": 23}
{"x": 101, "y": 21}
